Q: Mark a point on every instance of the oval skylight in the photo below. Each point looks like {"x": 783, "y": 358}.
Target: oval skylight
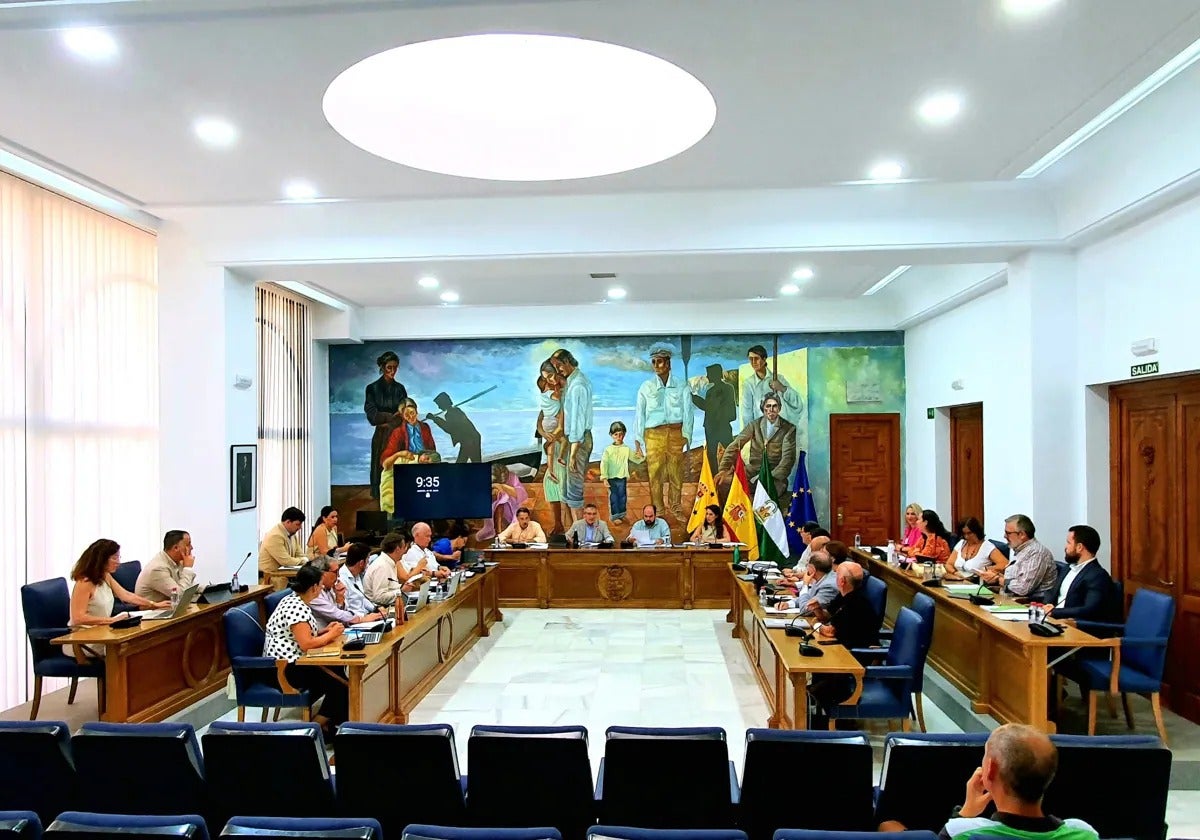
{"x": 514, "y": 107}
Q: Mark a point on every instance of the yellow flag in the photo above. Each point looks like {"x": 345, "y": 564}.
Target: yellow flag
{"x": 706, "y": 494}
{"x": 739, "y": 510}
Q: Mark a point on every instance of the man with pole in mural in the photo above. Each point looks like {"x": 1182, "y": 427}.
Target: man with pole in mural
{"x": 577, "y": 411}
{"x": 663, "y": 425}
{"x": 760, "y": 383}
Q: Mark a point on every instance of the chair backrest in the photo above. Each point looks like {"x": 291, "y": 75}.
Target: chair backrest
{"x": 272, "y": 600}
{"x": 910, "y": 762}
{"x": 46, "y": 604}
{"x": 244, "y": 636}
{"x": 78, "y": 825}
{"x": 1003, "y": 546}
{"x": 127, "y": 574}
{"x": 304, "y": 828}
{"x": 926, "y": 608}
{"x": 877, "y": 595}
{"x": 1138, "y": 765}
{"x": 418, "y": 831}
{"x": 666, "y": 778}
{"x": 907, "y": 638}
{"x": 383, "y": 756}
{"x": 620, "y": 832}
{"x": 146, "y": 768}
{"x": 845, "y": 756}
{"x": 20, "y": 825}
{"x": 37, "y": 773}
{"x": 509, "y": 761}
{"x": 263, "y": 769}
{"x": 1150, "y": 616}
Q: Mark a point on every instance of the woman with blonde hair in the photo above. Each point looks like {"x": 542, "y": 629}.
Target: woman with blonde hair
{"x": 912, "y": 526}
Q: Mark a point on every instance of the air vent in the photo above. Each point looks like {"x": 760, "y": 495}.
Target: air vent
{"x": 603, "y": 275}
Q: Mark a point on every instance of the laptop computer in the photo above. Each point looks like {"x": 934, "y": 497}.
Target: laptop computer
{"x": 185, "y": 600}
{"x": 422, "y": 600}
{"x": 453, "y": 583}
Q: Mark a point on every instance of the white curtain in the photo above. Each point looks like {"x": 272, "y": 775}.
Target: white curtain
{"x": 78, "y": 398}
{"x": 285, "y": 454}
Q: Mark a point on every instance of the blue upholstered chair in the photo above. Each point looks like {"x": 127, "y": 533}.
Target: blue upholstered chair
{"x": 615, "y": 832}
{"x": 47, "y": 608}
{"x": 1002, "y": 545}
{"x": 80, "y": 825}
{"x": 145, "y": 768}
{"x": 910, "y": 762}
{"x": 508, "y": 761}
{"x": 127, "y": 575}
{"x": 37, "y": 773}
{"x": 1140, "y": 765}
{"x": 266, "y": 769}
{"x": 791, "y": 834}
{"x": 305, "y": 828}
{"x": 1144, "y": 638}
{"x": 419, "y": 831}
{"x": 887, "y": 688}
{"x": 272, "y": 600}
{"x": 876, "y": 591}
{"x": 666, "y": 778}
{"x": 845, "y": 756}
{"x": 20, "y": 825}
{"x": 925, "y": 607}
{"x": 426, "y": 760}
{"x": 256, "y": 677}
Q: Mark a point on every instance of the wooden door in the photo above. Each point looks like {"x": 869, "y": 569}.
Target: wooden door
{"x": 864, "y": 477}
{"x": 1155, "y": 488}
{"x": 966, "y": 464}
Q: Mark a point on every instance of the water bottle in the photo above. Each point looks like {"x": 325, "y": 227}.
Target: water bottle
{"x": 858, "y": 540}
{"x": 174, "y": 598}
{"x": 891, "y": 553}
{"x": 234, "y": 584}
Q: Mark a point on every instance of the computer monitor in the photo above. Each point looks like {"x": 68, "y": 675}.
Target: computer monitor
{"x": 442, "y": 491}
{"x": 371, "y": 521}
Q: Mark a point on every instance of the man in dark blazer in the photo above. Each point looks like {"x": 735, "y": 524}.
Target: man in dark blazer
{"x": 770, "y": 437}
{"x": 1084, "y": 590}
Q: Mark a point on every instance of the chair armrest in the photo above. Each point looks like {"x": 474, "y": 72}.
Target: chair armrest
{"x": 265, "y": 663}
{"x": 873, "y": 653}
{"x": 735, "y": 793}
{"x": 1143, "y": 641}
{"x": 284, "y": 686}
{"x": 889, "y": 672}
{"x": 1092, "y": 626}
{"x": 48, "y": 632}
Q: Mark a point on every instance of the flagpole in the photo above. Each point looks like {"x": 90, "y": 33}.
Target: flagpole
{"x": 775, "y": 358}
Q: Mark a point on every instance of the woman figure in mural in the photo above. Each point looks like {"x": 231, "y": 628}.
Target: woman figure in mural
{"x": 409, "y": 443}
{"x": 382, "y": 405}
{"x": 508, "y": 494}
{"x": 551, "y": 429}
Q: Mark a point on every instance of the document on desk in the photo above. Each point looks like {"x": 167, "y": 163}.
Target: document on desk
{"x": 792, "y": 611}
{"x": 783, "y": 623}
{"x": 1009, "y": 612}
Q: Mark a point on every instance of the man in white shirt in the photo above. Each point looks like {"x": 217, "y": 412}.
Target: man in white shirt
{"x": 420, "y": 560}
{"x": 381, "y": 584}
{"x": 1085, "y": 591}
{"x": 170, "y": 568}
{"x": 352, "y": 576}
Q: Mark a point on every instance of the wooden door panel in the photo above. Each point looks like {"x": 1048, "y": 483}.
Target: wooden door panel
{"x": 1148, "y": 486}
{"x": 966, "y": 463}
{"x": 1183, "y": 656}
{"x": 864, "y": 476}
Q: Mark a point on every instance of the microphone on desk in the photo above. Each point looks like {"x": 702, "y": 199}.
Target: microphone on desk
{"x": 233, "y": 582}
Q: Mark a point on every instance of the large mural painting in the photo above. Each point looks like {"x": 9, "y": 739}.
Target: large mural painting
{"x": 614, "y": 421}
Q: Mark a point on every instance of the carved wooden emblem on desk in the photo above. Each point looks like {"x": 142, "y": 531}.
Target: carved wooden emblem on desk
{"x": 615, "y": 583}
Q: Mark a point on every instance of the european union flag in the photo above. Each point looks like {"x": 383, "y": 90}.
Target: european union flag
{"x": 802, "y": 509}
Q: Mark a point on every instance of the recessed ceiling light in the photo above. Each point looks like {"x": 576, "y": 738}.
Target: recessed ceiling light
{"x": 1026, "y": 8}
{"x": 428, "y": 281}
{"x": 550, "y": 107}
{"x": 214, "y": 131}
{"x": 886, "y": 170}
{"x": 616, "y": 293}
{"x": 803, "y": 273}
{"x": 299, "y": 191}
{"x": 449, "y": 297}
{"x": 789, "y": 289}
{"x": 90, "y": 43}
{"x": 940, "y": 108}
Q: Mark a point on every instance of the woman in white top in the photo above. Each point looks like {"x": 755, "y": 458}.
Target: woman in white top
{"x": 325, "y": 538}
{"x": 95, "y": 591}
{"x": 712, "y": 529}
{"x": 291, "y": 631}
{"x": 973, "y": 553}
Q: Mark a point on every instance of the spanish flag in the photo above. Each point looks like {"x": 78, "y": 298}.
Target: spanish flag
{"x": 706, "y": 494}
{"x": 739, "y": 510}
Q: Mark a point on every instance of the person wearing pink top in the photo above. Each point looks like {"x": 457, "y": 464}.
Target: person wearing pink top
{"x": 912, "y": 526}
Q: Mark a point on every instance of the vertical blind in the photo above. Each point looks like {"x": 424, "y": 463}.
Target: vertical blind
{"x": 78, "y": 398}
{"x": 285, "y": 459}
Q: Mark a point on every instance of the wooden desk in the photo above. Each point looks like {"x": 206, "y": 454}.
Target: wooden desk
{"x": 651, "y": 578}
{"x": 393, "y": 677}
{"x": 159, "y": 668}
{"x": 781, "y": 671}
{"x": 280, "y": 578}
{"x": 1000, "y": 666}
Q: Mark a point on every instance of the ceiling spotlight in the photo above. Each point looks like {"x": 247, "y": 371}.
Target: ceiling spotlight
{"x": 886, "y": 170}
{"x": 803, "y": 273}
{"x": 940, "y": 108}
{"x": 428, "y": 281}
{"x": 449, "y": 297}
{"x": 90, "y": 43}
{"x": 1026, "y": 8}
{"x": 616, "y": 293}
{"x": 299, "y": 191}
{"x": 216, "y": 132}
{"x": 789, "y": 289}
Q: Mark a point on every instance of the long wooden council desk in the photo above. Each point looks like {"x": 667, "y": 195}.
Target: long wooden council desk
{"x": 1000, "y": 666}
{"x": 159, "y": 668}
{"x": 651, "y": 578}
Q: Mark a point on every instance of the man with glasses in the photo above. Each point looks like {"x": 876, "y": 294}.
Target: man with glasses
{"x": 1031, "y": 570}
{"x": 330, "y": 605}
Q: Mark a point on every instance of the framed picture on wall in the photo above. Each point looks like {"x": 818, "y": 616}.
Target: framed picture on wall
{"x": 243, "y": 477}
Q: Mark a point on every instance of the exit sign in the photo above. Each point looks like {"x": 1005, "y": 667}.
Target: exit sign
{"x": 1144, "y": 369}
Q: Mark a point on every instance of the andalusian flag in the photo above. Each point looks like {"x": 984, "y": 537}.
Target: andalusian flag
{"x": 769, "y": 527}
{"x": 706, "y": 494}
{"x": 739, "y": 513}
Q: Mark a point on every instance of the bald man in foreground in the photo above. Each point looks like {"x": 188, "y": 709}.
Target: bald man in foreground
{"x": 1019, "y": 763}
{"x": 851, "y": 620}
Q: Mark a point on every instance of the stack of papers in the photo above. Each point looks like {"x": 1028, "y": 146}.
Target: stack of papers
{"x": 782, "y": 623}
{"x": 777, "y": 611}
{"x": 963, "y": 588}
{"x": 1009, "y": 612}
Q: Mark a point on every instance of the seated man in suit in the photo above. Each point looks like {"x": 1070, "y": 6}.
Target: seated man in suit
{"x": 590, "y": 529}
{"x": 851, "y": 620}
{"x": 1085, "y": 590}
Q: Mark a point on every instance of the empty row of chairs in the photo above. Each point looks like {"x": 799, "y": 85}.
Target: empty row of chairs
{"x": 542, "y": 776}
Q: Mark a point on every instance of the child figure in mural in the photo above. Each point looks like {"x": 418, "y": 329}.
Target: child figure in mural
{"x": 614, "y": 470}
{"x": 551, "y": 428}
